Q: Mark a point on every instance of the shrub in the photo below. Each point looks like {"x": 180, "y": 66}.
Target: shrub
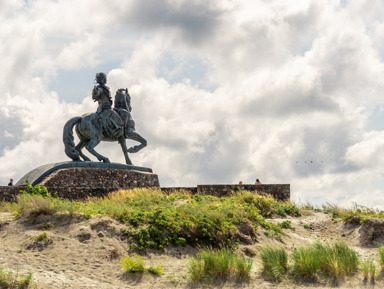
{"x": 39, "y": 190}
{"x": 286, "y": 224}
{"x": 275, "y": 262}
{"x": 135, "y": 263}
{"x": 157, "y": 220}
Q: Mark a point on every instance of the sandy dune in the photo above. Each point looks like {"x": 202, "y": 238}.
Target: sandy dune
{"x": 86, "y": 253}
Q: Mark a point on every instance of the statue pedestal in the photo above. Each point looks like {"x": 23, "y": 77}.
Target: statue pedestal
{"x": 79, "y": 180}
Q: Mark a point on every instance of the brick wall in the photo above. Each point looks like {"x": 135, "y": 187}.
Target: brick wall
{"x": 80, "y": 183}
{"x": 280, "y": 192}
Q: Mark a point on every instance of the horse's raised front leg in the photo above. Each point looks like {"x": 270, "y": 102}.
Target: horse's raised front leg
{"x": 79, "y": 147}
{"x": 135, "y": 136}
{"x": 124, "y": 148}
{"x": 90, "y": 147}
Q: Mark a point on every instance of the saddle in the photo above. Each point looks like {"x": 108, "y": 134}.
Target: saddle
{"x": 113, "y": 126}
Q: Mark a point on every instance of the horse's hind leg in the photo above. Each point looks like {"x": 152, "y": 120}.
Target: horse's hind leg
{"x": 124, "y": 148}
{"x": 90, "y": 147}
{"x": 79, "y": 148}
{"x": 135, "y": 136}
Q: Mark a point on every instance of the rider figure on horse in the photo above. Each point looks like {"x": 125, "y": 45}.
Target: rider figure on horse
{"x": 106, "y": 124}
{"x": 112, "y": 120}
{"x": 101, "y": 89}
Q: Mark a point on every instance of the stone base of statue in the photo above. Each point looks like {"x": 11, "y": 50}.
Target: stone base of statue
{"x": 79, "y": 180}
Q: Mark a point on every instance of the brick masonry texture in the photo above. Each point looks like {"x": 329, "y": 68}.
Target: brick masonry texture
{"x": 280, "y": 192}
{"x": 81, "y": 183}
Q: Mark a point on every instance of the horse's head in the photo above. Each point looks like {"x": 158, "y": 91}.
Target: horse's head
{"x": 123, "y": 99}
{"x": 122, "y": 91}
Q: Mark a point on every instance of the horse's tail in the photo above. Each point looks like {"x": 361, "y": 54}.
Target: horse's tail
{"x": 68, "y": 139}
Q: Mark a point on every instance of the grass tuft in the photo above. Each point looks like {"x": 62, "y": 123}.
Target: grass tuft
{"x": 136, "y": 264}
{"x": 9, "y": 279}
{"x": 331, "y": 259}
{"x": 275, "y": 262}
{"x": 155, "y": 269}
{"x": 381, "y": 257}
{"x": 220, "y": 264}
{"x": 368, "y": 268}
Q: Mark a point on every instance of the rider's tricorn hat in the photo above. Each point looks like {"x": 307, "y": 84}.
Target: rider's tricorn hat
{"x": 101, "y": 76}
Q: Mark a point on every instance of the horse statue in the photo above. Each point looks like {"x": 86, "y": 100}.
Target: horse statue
{"x": 106, "y": 124}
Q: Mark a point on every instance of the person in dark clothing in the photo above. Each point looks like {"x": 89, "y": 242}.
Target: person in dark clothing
{"x": 10, "y": 182}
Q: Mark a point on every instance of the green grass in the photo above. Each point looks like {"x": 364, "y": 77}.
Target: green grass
{"x": 355, "y": 214}
{"x": 315, "y": 262}
{"x": 41, "y": 237}
{"x": 286, "y": 224}
{"x": 368, "y": 268}
{"x": 218, "y": 265}
{"x": 381, "y": 257}
{"x": 134, "y": 263}
{"x": 275, "y": 262}
{"x": 333, "y": 260}
{"x": 155, "y": 221}
{"x": 10, "y": 279}
{"x": 156, "y": 269}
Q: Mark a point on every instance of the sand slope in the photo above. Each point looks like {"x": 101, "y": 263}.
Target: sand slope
{"x": 86, "y": 253}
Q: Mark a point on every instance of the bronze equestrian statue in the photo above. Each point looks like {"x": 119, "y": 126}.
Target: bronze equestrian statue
{"x": 106, "y": 124}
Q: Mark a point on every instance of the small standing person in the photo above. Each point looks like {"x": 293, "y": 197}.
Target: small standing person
{"x": 10, "y": 182}
{"x": 257, "y": 182}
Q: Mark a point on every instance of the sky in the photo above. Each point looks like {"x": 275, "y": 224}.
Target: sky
{"x": 223, "y": 91}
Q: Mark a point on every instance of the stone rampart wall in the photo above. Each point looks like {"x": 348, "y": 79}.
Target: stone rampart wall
{"x": 81, "y": 183}
{"x": 280, "y": 192}
{"x": 9, "y": 194}
{"x": 100, "y": 178}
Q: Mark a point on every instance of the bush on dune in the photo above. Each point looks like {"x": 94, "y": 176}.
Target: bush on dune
{"x": 157, "y": 219}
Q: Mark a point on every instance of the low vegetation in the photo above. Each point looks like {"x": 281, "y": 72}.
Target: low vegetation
{"x": 9, "y": 279}
{"x": 156, "y": 220}
{"x": 136, "y": 264}
{"x": 368, "y": 269}
{"x": 210, "y": 266}
{"x": 275, "y": 262}
{"x": 356, "y": 214}
{"x": 313, "y": 262}
{"x": 381, "y": 257}
{"x": 216, "y": 225}
{"x": 333, "y": 260}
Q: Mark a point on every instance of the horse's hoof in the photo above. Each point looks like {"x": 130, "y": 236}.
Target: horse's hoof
{"x": 106, "y": 161}
{"x": 131, "y": 150}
